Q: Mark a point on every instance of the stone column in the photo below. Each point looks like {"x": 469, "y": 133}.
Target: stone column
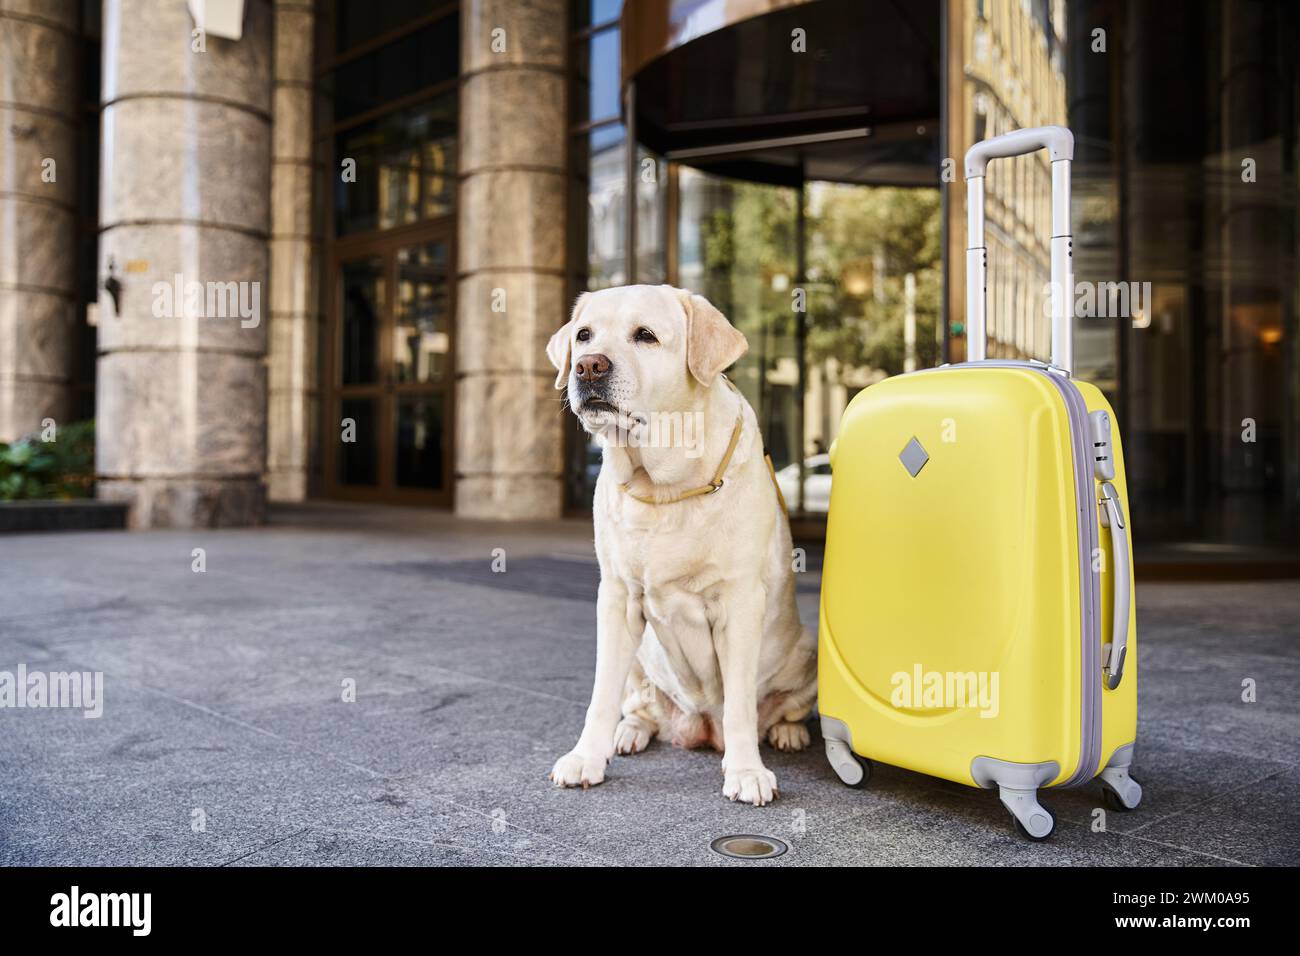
{"x": 38, "y": 187}
{"x": 184, "y": 200}
{"x": 292, "y": 345}
{"x": 509, "y": 440}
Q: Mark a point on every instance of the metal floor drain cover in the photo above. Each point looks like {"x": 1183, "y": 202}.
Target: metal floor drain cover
{"x": 748, "y": 846}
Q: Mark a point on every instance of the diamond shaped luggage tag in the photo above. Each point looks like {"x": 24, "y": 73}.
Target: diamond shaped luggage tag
{"x": 914, "y": 457}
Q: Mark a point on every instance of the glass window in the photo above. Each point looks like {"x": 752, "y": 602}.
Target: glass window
{"x": 736, "y": 243}
{"x": 421, "y": 344}
{"x": 420, "y": 427}
{"x": 362, "y": 309}
{"x": 405, "y": 167}
{"x": 651, "y": 217}
{"x": 600, "y": 173}
{"x": 588, "y": 13}
{"x": 873, "y": 288}
{"x": 1197, "y": 353}
{"x": 357, "y": 458}
{"x": 410, "y": 63}
{"x": 358, "y": 22}
{"x": 438, "y": 168}
{"x": 1012, "y": 78}
{"x": 595, "y": 78}
{"x": 602, "y": 101}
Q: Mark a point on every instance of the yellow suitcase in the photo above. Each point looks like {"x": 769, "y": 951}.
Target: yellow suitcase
{"x": 977, "y": 621}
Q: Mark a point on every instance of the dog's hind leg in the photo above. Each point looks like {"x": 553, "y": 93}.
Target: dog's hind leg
{"x": 785, "y": 717}
{"x": 640, "y": 720}
{"x": 789, "y": 735}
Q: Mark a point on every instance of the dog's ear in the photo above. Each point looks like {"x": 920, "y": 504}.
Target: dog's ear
{"x": 558, "y": 350}
{"x": 712, "y": 343}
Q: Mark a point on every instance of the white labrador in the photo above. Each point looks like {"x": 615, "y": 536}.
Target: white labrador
{"x": 698, "y": 637}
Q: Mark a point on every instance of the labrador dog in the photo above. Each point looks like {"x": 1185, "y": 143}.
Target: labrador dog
{"x": 698, "y": 638}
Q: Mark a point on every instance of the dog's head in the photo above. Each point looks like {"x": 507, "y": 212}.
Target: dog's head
{"x": 635, "y": 350}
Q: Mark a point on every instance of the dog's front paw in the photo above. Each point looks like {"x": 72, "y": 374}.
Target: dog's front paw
{"x": 788, "y": 735}
{"x": 575, "y": 769}
{"x": 756, "y": 786}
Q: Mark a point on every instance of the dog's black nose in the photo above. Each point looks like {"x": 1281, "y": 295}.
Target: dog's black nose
{"x": 592, "y": 367}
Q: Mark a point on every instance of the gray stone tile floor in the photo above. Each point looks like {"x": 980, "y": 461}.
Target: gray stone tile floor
{"x": 224, "y": 695}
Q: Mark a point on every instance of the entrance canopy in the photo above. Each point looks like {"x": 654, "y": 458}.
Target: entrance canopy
{"x": 787, "y": 90}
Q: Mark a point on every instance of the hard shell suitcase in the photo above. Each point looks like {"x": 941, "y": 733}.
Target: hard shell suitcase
{"x": 977, "y": 621}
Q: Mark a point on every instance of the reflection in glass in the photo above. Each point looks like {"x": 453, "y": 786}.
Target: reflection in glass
{"x": 602, "y": 179}
{"x": 421, "y": 344}
{"x": 1095, "y": 220}
{"x": 439, "y": 170}
{"x": 875, "y": 288}
{"x": 602, "y": 102}
{"x": 595, "y": 76}
{"x": 405, "y": 168}
{"x": 1014, "y": 76}
{"x": 1203, "y": 373}
{"x": 587, "y": 13}
{"x": 816, "y": 484}
{"x": 737, "y": 248}
{"x": 651, "y": 217}
{"x": 871, "y": 292}
{"x": 871, "y": 295}
{"x": 356, "y": 457}
{"x": 362, "y": 306}
{"x": 399, "y": 188}
{"x": 419, "y": 442}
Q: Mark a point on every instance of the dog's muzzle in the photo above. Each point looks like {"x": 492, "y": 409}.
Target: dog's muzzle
{"x": 592, "y": 372}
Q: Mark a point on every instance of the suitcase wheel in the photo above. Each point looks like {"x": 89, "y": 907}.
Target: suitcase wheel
{"x": 1037, "y": 839}
{"x": 1033, "y": 819}
{"x": 1119, "y": 791}
{"x": 1124, "y": 800}
{"x": 852, "y": 769}
{"x": 865, "y": 764}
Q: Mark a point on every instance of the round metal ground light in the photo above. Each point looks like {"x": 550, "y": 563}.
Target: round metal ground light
{"x": 748, "y": 846}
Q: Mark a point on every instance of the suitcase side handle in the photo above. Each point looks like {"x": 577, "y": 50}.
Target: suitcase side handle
{"x": 1112, "y": 654}
{"x": 1059, "y": 142}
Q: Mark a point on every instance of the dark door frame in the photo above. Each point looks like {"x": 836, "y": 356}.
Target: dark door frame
{"x": 386, "y": 390}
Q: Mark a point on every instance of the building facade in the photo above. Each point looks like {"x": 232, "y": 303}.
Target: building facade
{"x": 318, "y": 255}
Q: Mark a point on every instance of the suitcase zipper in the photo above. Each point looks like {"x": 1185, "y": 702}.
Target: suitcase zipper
{"x": 1090, "y": 588}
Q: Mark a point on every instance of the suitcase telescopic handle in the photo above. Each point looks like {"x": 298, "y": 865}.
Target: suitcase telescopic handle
{"x": 1059, "y": 142}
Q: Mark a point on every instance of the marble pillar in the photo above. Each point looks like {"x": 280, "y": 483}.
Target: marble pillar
{"x": 292, "y": 359}
{"x": 38, "y": 189}
{"x": 184, "y": 205}
{"x": 509, "y": 438}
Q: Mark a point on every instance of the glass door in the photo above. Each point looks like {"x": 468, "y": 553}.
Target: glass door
{"x": 421, "y": 381}
{"x": 388, "y": 401}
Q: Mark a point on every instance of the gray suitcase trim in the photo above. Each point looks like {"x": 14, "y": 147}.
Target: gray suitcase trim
{"x": 1018, "y": 785}
{"x": 1089, "y": 581}
{"x": 990, "y": 772}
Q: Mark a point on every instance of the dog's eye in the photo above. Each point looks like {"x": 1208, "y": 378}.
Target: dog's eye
{"x": 645, "y": 335}
{"x": 584, "y": 335}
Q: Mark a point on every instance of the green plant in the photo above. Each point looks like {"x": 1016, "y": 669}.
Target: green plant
{"x": 63, "y": 468}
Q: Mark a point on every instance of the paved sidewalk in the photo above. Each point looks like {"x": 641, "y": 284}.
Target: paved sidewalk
{"x": 225, "y": 738}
